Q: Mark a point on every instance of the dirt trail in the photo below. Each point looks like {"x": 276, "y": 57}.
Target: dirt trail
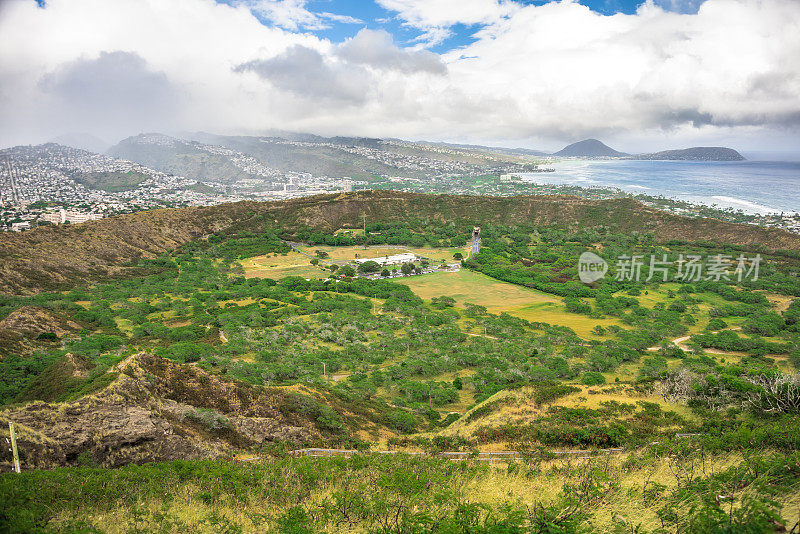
{"x": 680, "y": 340}
{"x": 483, "y": 335}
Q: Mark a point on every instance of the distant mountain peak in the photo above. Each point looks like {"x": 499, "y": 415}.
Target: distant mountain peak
{"x": 589, "y": 148}
{"x": 697, "y": 153}
{"x": 82, "y": 141}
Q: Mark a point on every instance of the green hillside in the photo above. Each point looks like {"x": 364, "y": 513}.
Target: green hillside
{"x": 163, "y": 370}
{"x": 181, "y": 159}
{"x": 111, "y": 181}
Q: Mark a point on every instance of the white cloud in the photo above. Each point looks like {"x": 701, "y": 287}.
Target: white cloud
{"x": 305, "y": 72}
{"x": 537, "y": 74}
{"x": 116, "y": 90}
{"x": 573, "y": 72}
{"x": 444, "y": 13}
{"x": 376, "y": 48}
{"x": 680, "y": 6}
{"x": 432, "y": 37}
{"x": 435, "y": 18}
{"x": 294, "y": 15}
{"x": 343, "y": 19}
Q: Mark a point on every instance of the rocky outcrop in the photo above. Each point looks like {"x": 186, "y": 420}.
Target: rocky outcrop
{"x": 31, "y": 321}
{"x": 104, "y": 433}
{"x": 145, "y": 416}
{"x": 265, "y": 430}
{"x": 20, "y": 330}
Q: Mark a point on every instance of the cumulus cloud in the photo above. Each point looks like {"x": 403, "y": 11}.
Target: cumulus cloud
{"x": 435, "y": 18}
{"x": 443, "y": 13}
{"x": 294, "y": 15}
{"x": 680, "y": 6}
{"x": 376, "y": 48}
{"x": 538, "y": 74}
{"x": 116, "y": 88}
{"x": 305, "y": 72}
{"x": 576, "y": 71}
{"x": 347, "y": 74}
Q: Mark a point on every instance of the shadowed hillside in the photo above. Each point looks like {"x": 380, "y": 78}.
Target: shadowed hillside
{"x": 48, "y": 258}
{"x": 148, "y": 409}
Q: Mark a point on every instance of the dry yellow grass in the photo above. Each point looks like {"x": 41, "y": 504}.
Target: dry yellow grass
{"x": 278, "y": 266}
{"x": 125, "y": 325}
{"x": 498, "y": 297}
{"x": 525, "y": 485}
{"x": 517, "y": 406}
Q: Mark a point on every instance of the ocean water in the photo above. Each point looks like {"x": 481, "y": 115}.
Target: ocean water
{"x": 752, "y": 186}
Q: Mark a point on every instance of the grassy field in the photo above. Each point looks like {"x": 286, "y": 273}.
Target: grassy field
{"x": 475, "y": 288}
{"x": 464, "y": 286}
{"x": 468, "y": 286}
{"x": 472, "y": 287}
{"x": 296, "y": 264}
{"x": 278, "y": 266}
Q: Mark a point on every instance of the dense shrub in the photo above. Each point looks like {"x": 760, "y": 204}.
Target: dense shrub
{"x": 592, "y": 378}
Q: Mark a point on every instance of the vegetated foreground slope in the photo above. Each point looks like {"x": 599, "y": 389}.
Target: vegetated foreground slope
{"x": 151, "y": 409}
{"x": 49, "y": 258}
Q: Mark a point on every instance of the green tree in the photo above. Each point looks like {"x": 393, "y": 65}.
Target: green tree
{"x": 716, "y": 324}
{"x": 443, "y": 302}
{"x": 346, "y": 270}
{"x": 369, "y": 267}
{"x": 677, "y": 306}
{"x": 653, "y": 368}
{"x": 401, "y": 420}
{"x": 599, "y": 330}
{"x": 592, "y": 378}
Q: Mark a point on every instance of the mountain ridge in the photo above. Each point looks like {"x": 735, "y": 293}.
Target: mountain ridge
{"x": 593, "y": 148}
{"x": 51, "y": 258}
{"x": 696, "y": 153}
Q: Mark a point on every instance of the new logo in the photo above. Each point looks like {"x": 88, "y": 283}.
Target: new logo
{"x": 591, "y": 267}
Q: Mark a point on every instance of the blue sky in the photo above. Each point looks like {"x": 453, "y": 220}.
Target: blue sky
{"x": 371, "y": 14}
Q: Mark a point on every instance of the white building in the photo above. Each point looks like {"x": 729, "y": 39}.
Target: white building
{"x": 74, "y": 217}
{"x": 53, "y": 217}
{"x": 406, "y": 257}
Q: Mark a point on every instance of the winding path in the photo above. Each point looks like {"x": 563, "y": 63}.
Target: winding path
{"x": 678, "y": 341}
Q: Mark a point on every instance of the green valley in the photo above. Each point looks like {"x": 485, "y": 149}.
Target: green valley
{"x": 205, "y": 364}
